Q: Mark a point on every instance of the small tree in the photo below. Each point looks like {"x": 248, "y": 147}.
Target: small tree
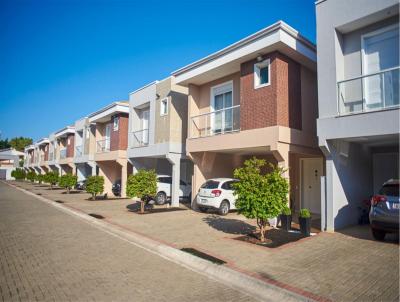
{"x": 95, "y": 185}
{"x": 68, "y": 181}
{"x": 51, "y": 178}
{"x": 31, "y": 176}
{"x": 142, "y": 185}
{"x": 18, "y": 174}
{"x": 39, "y": 178}
{"x": 260, "y": 196}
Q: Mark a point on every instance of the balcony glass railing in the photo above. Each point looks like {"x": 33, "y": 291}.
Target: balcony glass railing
{"x": 140, "y": 138}
{"x": 376, "y": 91}
{"x": 103, "y": 145}
{"x": 222, "y": 121}
{"x": 78, "y": 151}
{"x": 63, "y": 153}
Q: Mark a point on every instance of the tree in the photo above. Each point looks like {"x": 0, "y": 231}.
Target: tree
{"x": 18, "y": 174}
{"x": 40, "y": 178}
{"x": 19, "y": 143}
{"x": 31, "y": 176}
{"x": 142, "y": 185}
{"x": 51, "y": 178}
{"x": 4, "y": 144}
{"x": 95, "y": 185}
{"x": 68, "y": 181}
{"x": 260, "y": 196}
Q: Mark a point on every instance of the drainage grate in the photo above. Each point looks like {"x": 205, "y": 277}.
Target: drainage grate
{"x": 59, "y": 201}
{"x": 203, "y": 255}
{"x": 96, "y": 216}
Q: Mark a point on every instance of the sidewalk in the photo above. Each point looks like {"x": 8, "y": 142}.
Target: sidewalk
{"x": 338, "y": 267}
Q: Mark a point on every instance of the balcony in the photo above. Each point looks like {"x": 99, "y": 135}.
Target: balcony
{"x": 78, "y": 151}
{"x": 140, "y": 138}
{"x": 63, "y": 153}
{"x": 217, "y": 122}
{"x": 51, "y": 156}
{"x": 103, "y": 145}
{"x": 372, "y": 92}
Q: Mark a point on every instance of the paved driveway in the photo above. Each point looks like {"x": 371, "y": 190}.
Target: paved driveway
{"x": 46, "y": 254}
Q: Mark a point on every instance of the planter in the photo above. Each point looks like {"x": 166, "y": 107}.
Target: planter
{"x": 273, "y": 222}
{"x": 286, "y": 222}
{"x": 305, "y": 226}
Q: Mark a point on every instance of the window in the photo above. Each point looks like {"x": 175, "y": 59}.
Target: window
{"x": 228, "y": 185}
{"x": 68, "y": 141}
{"x": 115, "y": 123}
{"x": 164, "y": 107}
{"x": 87, "y": 132}
{"x": 210, "y": 184}
{"x": 262, "y": 74}
{"x": 165, "y": 180}
{"x": 221, "y": 104}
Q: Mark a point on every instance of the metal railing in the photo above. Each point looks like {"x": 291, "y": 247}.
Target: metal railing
{"x": 222, "y": 121}
{"x": 103, "y": 145}
{"x": 78, "y": 151}
{"x": 139, "y": 138}
{"x": 375, "y": 91}
{"x": 63, "y": 153}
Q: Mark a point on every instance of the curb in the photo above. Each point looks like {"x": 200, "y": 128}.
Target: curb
{"x": 240, "y": 281}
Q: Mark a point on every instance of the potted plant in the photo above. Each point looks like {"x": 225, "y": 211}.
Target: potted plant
{"x": 286, "y": 218}
{"x": 305, "y": 222}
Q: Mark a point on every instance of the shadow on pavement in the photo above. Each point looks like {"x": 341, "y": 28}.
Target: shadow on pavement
{"x": 364, "y": 232}
{"x": 229, "y": 226}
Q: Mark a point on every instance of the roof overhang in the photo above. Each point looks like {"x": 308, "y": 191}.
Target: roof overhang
{"x": 277, "y": 37}
{"x": 30, "y": 147}
{"x": 42, "y": 141}
{"x": 64, "y": 132}
{"x": 104, "y": 115}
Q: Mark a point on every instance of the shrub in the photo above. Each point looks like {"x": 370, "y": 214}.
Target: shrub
{"x": 31, "y": 176}
{"x": 260, "y": 196}
{"x": 39, "y": 178}
{"x": 51, "y": 178}
{"x": 142, "y": 185}
{"x": 286, "y": 211}
{"x": 68, "y": 181}
{"x": 18, "y": 174}
{"x": 95, "y": 185}
{"x": 305, "y": 213}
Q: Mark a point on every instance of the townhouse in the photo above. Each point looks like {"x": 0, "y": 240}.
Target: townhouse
{"x": 157, "y": 135}
{"x": 358, "y": 97}
{"x": 257, "y": 97}
{"x": 53, "y": 154}
{"x": 111, "y": 137}
{"x": 42, "y": 147}
{"x": 9, "y": 160}
{"x": 65, "y": 144}
{"x": 29, "y": 157}
{"x": 85, "y": 146}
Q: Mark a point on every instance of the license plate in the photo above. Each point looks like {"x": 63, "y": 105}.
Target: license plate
{"x": 396, "y": 206}
{"x": 203, "y": 200}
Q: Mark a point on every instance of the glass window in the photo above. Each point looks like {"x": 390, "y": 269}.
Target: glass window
{"x": 210, "y": 184}
{"x": 228, "y": 185}
{"x": 164, "y": 107}
{"x": 390, "y": 190}
{"x": 165, "y": 180}
{"x": 115, "y": 123}
{"x": 262, "y": 74}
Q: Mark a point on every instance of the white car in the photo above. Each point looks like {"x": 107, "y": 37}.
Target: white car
{"x": 164, "y": 184}
{"x": 217, "y": 193}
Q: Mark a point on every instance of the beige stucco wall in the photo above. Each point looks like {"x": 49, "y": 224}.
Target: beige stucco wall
{"x": 162, "y": 123}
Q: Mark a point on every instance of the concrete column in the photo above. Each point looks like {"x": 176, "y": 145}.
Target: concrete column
{"x": 124, "y": 176}
{"x": 175, "y": 160}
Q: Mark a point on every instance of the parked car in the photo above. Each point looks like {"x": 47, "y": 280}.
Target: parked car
{"x": 217, "y": 193}
{"x": 81, "y": 185}
{"x": 164, "y": 183}
{"x": 384, "y": 212}
{"x": 116, "y": 188}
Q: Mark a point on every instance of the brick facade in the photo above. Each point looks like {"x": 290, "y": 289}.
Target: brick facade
{"x": 276, "y": 104}
{"x": 119, "y": 138}
{"x": 70, "y": 145}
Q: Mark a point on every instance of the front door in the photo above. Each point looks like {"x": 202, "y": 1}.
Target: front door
{"x": 311, "y": 172}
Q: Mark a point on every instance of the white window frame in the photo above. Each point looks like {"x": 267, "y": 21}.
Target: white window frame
{"x": 166, "y": 106}
{"x": 218, "y": 89}
{"x": 257, "y": 68}
{"x": 115, "y": 123}
{"x": 87, "y": 133}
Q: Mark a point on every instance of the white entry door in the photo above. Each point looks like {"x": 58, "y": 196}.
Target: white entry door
{"x": 145, "y": 126}
{"x": 311, "y": 172}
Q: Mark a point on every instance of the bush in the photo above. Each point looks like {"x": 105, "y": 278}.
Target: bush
{"x": 142, "y": 185}
{"x": 95, "y": 185}
{"x": 51, "y": 178}
{"x": 286, "y": 211}
{"x": 305, "y": 213}
{"x": 39, "y": 178}
{"x": 31, "y": 176}
{"x": 18, "y": 174}
{"x": 260, "y": 196}
{"x": 68, "y": 181}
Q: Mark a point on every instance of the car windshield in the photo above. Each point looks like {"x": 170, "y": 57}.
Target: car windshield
{"x": 210, "y": 184}
{"x": 390, "y": 190}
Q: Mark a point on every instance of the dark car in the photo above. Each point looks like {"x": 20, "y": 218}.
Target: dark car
{"x": 81, "y": 185}
{"x": 116, "y": 188}
{"x": 384, "y": 212}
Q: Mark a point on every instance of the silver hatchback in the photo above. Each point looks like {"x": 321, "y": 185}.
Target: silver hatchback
{"x": 385, "y": 208}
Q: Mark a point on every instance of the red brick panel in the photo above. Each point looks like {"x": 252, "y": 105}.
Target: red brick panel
{"x": 119, "y": 138}
{"x": 70, "y": 145}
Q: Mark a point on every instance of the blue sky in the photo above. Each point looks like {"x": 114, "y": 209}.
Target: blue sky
{"x": 61, "y": 60}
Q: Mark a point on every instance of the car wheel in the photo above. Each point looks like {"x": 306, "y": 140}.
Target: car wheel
{"x": 378, "y": 234}
{"x": 202, "y": 209}
{"x": 161, "y": 198}
{"x": 224, "y": 208}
